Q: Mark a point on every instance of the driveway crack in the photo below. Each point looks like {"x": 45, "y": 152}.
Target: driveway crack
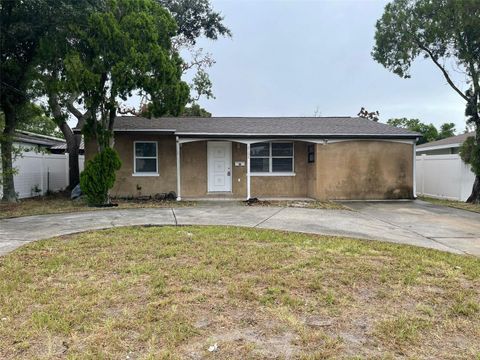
{"x": 174, "y": 216}
{"x": 268, "y": 218}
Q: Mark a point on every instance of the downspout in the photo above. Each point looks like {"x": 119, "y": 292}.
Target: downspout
{"x": 415, "y": 168}
{"x": 248, "y": 171}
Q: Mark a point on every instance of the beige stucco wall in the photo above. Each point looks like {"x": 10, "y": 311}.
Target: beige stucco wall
{"x": 364, "y": 169}
{"x": 127, "y": 185}
{"x": 342, "y": 170}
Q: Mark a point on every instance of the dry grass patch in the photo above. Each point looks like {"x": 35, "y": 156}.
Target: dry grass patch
{"x": 452, "y": 203}
{"x": 61, "y": 203}
{"x": 172, "y": 292}
{"x": 306, "y": 204}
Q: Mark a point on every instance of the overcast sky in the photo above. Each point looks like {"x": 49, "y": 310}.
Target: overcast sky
{"x": 289, "y": 58}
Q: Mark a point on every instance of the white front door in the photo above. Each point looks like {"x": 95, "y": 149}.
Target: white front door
{"x": 219, "y": 158}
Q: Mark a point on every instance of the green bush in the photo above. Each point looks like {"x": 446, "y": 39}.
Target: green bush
{"x": 470, "y": 154}
{"x": 99, "y": 176}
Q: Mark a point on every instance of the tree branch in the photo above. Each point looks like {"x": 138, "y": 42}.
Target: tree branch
{"x": 444, "y": 72}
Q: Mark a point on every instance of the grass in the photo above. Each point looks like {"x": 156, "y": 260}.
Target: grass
{"x": 61, "y": 203}
{"x": 172, "y": 292}
{"x": 452, "y": 203}
{"x": 307, "y": 204}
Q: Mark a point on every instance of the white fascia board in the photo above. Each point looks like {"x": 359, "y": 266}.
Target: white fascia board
{"x": 437, "y": 147}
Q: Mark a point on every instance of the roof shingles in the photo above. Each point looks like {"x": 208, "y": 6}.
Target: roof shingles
{"x": 263, "y": 126}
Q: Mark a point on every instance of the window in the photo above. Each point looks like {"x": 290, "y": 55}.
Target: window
{"x": 146, "y": 158}
{"x": 311, "y": 153}
{"x": 271, "y": 157}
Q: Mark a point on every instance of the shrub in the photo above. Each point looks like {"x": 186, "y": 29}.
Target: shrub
{"x": 470, "y": 153}
{"x": 99, "y": 176}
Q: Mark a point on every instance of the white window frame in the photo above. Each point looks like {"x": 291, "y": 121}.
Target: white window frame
{"x": 135, "y": 157}
{"x": 270, "y": 158}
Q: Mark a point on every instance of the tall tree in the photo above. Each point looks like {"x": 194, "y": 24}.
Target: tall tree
{"x": 50, "y": 74}
{"x": 195, "y": 18}
{"x": 444, "y": 31}
{"x": 123, "y": 49}
{"x": 21, "y": 30}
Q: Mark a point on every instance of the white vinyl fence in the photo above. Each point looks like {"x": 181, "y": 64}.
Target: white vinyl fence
{"x": 38, "y": 173}
{"x": 443, "y": 176}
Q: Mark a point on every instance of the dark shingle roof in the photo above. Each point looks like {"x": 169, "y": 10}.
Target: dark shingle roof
{"x": 264, "y": 126}
{"x": 453, "y": 140}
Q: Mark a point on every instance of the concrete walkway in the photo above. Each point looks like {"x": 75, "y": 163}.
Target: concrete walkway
{"x": 414, "y": 222}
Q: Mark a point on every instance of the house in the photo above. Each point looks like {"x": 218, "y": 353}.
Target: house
{"x": 441, "y": 173}
{"x": 29, "y": 141}
{"x": 265, "y": 157}
{"x": 450, "y": 145}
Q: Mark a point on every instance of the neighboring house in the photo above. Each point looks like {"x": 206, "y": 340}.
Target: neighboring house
{"x": 322, "y": 158}
{"x": 29, "y": 141}
{"x": 441, "y": 173}
{"x": 62, "y": 148}
{"x": 445, "y": 146}
{"x": 42, "y": 165}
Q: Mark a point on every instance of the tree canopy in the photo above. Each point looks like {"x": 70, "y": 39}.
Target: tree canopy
{"x": 429, "y": 131}
{"x": 32, "y": 117}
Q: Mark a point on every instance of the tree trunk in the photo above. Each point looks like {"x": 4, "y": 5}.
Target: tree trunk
{"x": 9, "y": 194}
{"x": 73, "y": 149}
{"x": 474, "y": 197}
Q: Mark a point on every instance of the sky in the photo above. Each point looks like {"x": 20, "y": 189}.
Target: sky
{"x": 301, "y": 58}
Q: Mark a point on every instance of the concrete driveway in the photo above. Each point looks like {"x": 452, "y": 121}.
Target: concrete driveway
{"x": 410, "y": 222}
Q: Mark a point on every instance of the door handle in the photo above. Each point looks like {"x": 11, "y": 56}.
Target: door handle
{"x": 228, "y": 172}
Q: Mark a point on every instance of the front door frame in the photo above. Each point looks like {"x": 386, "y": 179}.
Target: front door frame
{"x": 228, "y": 147}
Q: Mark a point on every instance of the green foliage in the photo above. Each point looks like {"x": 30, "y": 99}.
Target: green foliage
{"x": 31, "y": 117}
{"x": 429, "y": 131}
{"x": 470, "y": 154}
{"x": 99, "y": 176}
{"x": 122, "y": 49}
{"x": 195, "y": 110}
{"x": 446, "y": 130}
{"x": 196, "y": 18}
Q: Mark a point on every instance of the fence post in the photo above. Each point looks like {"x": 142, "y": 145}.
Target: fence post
{"x": 423, "y": 172}
{"x": 42, "y": 173}
{"x": 67, "y": 172}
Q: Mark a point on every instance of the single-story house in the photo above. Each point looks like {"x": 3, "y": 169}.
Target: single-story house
{"x": 447, "y": 146}
{"x": 265, "y": 157}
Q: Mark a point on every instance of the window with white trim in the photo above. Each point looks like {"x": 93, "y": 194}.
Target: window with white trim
{"x": 271, "y": 157}
{"x": 145, "y": 157}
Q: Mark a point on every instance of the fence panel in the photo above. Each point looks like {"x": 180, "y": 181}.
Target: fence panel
{"x": 443, "y": 176}
{"x": 38, "y": 173}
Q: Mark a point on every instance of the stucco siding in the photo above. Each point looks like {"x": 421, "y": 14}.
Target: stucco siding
{"x": 364, "y": 170}
{"x": 127, "y": 185}
{"x": 193, "y": 167}
{"x": 354, "y": 169}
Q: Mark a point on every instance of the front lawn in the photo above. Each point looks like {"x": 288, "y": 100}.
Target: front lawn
{"x": 61, "y": 203}
{"x": 175, "y": 292}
